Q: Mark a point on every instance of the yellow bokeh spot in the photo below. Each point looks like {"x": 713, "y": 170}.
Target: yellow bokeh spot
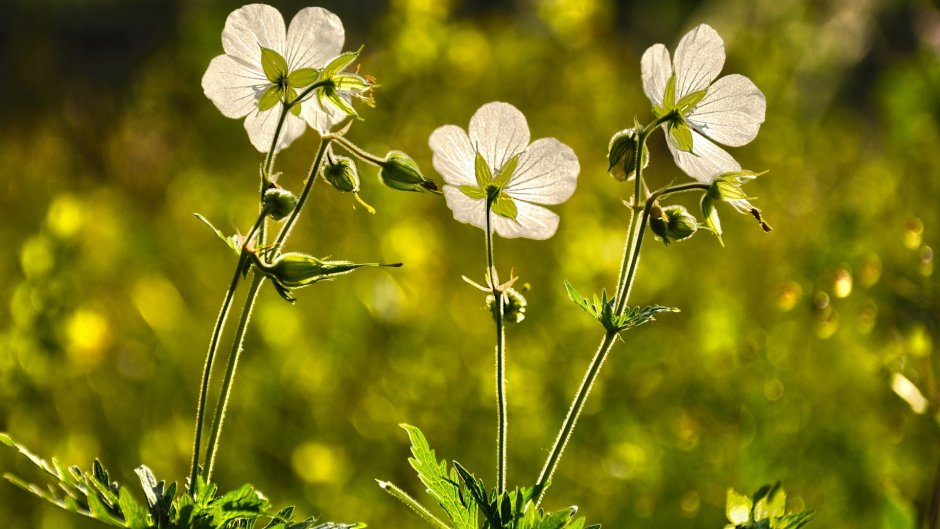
{"x": 788, "y": 296}
{"x": 65, "y": 216}
{"x": 913, "y": 233}
{"x": 572, "y": 20}
{"x": 88, "y": 334}
{"x": 690, "y": 503}
{"x": 469, "y": 53}
{"x": 842, "y": 283}
{"x": 320, "y": 463}
{"x": 919, "y": 341}
{"x": 158, "y": 302}
{"x": 36, "y": 257}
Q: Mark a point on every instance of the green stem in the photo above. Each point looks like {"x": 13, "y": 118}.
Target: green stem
{"x": 502, "y": 423}
{"x": 413, "y": 504}
{"x": 213, "y": 348}
{"x": 257, "y": 281}
{"x": 567, "y": 427}
{"x": 628, "y": 266}
{"x": 359, "y": 152}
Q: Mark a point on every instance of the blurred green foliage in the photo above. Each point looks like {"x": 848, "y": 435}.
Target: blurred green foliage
{"x": 778, "y": 367}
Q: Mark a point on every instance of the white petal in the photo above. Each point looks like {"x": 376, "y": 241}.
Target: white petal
{"x": 706, "y": 161}
{"x": 262, "y": 125}
{"x": 699, "y": 58}
{"x": 469, "y": 210}
{"x": 531, "y": 222}
{"x": 249, "y": 28}
{"x": 453, "y": 155}
{"x": 314, "y": 38}
{"x": 656, "y": 69}
{"x": 731, "y": 112}
{"x": 547, "y": 173}
{"x": 498, "y": 131}
{"x": 322, "y": 117}
{"x": 233, "y": 87}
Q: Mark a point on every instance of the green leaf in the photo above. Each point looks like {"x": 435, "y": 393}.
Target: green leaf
{"x": 483, "y": 172}
{"x": 669, "y": 94}
{"x": 689, "y": 101}
{"x": 231, "y": 242}
{"x": 738, "y": 507}
{"x": 771, "y": 505}
{"x": 441, "y": 485}
{"x": 473, "y": 192}
{"x": 505, "y": 206}
{"x": 273, "y": 64}
{"x": 478, "y": 493}
{"x": 302, "y": 77}
{"x": 896, "y": 512}
{"x": 506, "y": 171}
{"x": 681, "y": 135}
{"x": 134, "y": 514}
{"x": 270, "y": 98}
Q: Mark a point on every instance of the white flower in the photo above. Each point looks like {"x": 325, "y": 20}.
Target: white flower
{"x": 728, "y": 111}
{"x": 243, "y": 83}
{"x": 496, "y": 157}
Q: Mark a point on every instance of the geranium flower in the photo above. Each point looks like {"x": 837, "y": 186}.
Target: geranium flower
{"x": 496, "y": 158}
{"x": 728, "y": 111}
{"x": 264, "y": 65}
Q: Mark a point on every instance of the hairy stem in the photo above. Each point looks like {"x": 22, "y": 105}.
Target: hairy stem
{"x": 502, "y": 423}
{"x": 413, "y": 504}
{"x": 257, "y": 281}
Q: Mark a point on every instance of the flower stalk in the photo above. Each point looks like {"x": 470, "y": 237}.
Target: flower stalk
{"x": 502, "y": 423}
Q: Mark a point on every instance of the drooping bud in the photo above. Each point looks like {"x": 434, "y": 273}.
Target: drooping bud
{"x": 342, "y": 174}
{"x": 399, "y": 171}
{"x": 672, "y": 223}
{"x": 514, "y": 305}
{"x": 621, "y": 153}
{"x": 296, "y": 270}
{"x": 279, "y": 202}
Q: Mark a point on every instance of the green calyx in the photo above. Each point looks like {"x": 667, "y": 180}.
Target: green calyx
{"x": 284, "y": 83}
{"x": 673, "y": 113}
{"x": 341, "y": 173}
{"x": 490, "y": 186}
{"x": 514, "y": 304}
{"x": 297, "y": 270}
{"x": 399, "y": 171}
{"x": 672, "y": 223}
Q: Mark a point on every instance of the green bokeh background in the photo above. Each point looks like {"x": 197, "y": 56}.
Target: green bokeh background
{"x": 779, "y": 366}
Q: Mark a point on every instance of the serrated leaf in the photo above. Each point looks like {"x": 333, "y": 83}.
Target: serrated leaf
{"x": 771, "y": 505}
{"x": 478, "y": 493}
{"x": 229, "y": 241}
{"x": 434, "y": 475}
{"x": 134, "y": 514}
{"x": 796, "y": 521}
{"x": 273, "y": 64}
{"x": 99, "y": 511}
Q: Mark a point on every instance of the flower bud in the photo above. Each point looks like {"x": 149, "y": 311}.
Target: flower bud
{"x": 279, "y": 202}
{"x": 672, "y": 223}
{"x": 342, "y": 174}
{"x": 621, "y": 152}
{"x": 514, "y": 304}
{"x": 296, "y": 270}
{"x": 399, "y": 171}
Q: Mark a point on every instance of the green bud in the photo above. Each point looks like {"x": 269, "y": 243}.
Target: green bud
{"x": 672, "y": 223}
{"x": 514, "y": 304}
{"x": 279, "y": 202}
{"x": 342, "y": 174}
{"x": 620, "y": 155}
{"x": 296, "y": 270}
{"x": 399, "y": 171}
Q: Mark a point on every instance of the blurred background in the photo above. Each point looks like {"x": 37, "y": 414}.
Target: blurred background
{"x": 779, "y": 367}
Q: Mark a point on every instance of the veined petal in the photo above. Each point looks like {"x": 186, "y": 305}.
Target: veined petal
{"x": 706, "y": 161}
{"x": 699, "y": 58}
{"x": 262, "y": 125}
{"x": 656, "y": 69}
{"x": 731, "y": 112}
{"x": 233, "y": 86}
{"x": 498, "y": 131}
{"x": 469, "y": 210}
{"x": 453, "y": 155}
{"x": 315, "y": 36}
{"x": 531, "y": 222}
{"x": 547, "y": 173}
{"x": 249, "y": 28}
